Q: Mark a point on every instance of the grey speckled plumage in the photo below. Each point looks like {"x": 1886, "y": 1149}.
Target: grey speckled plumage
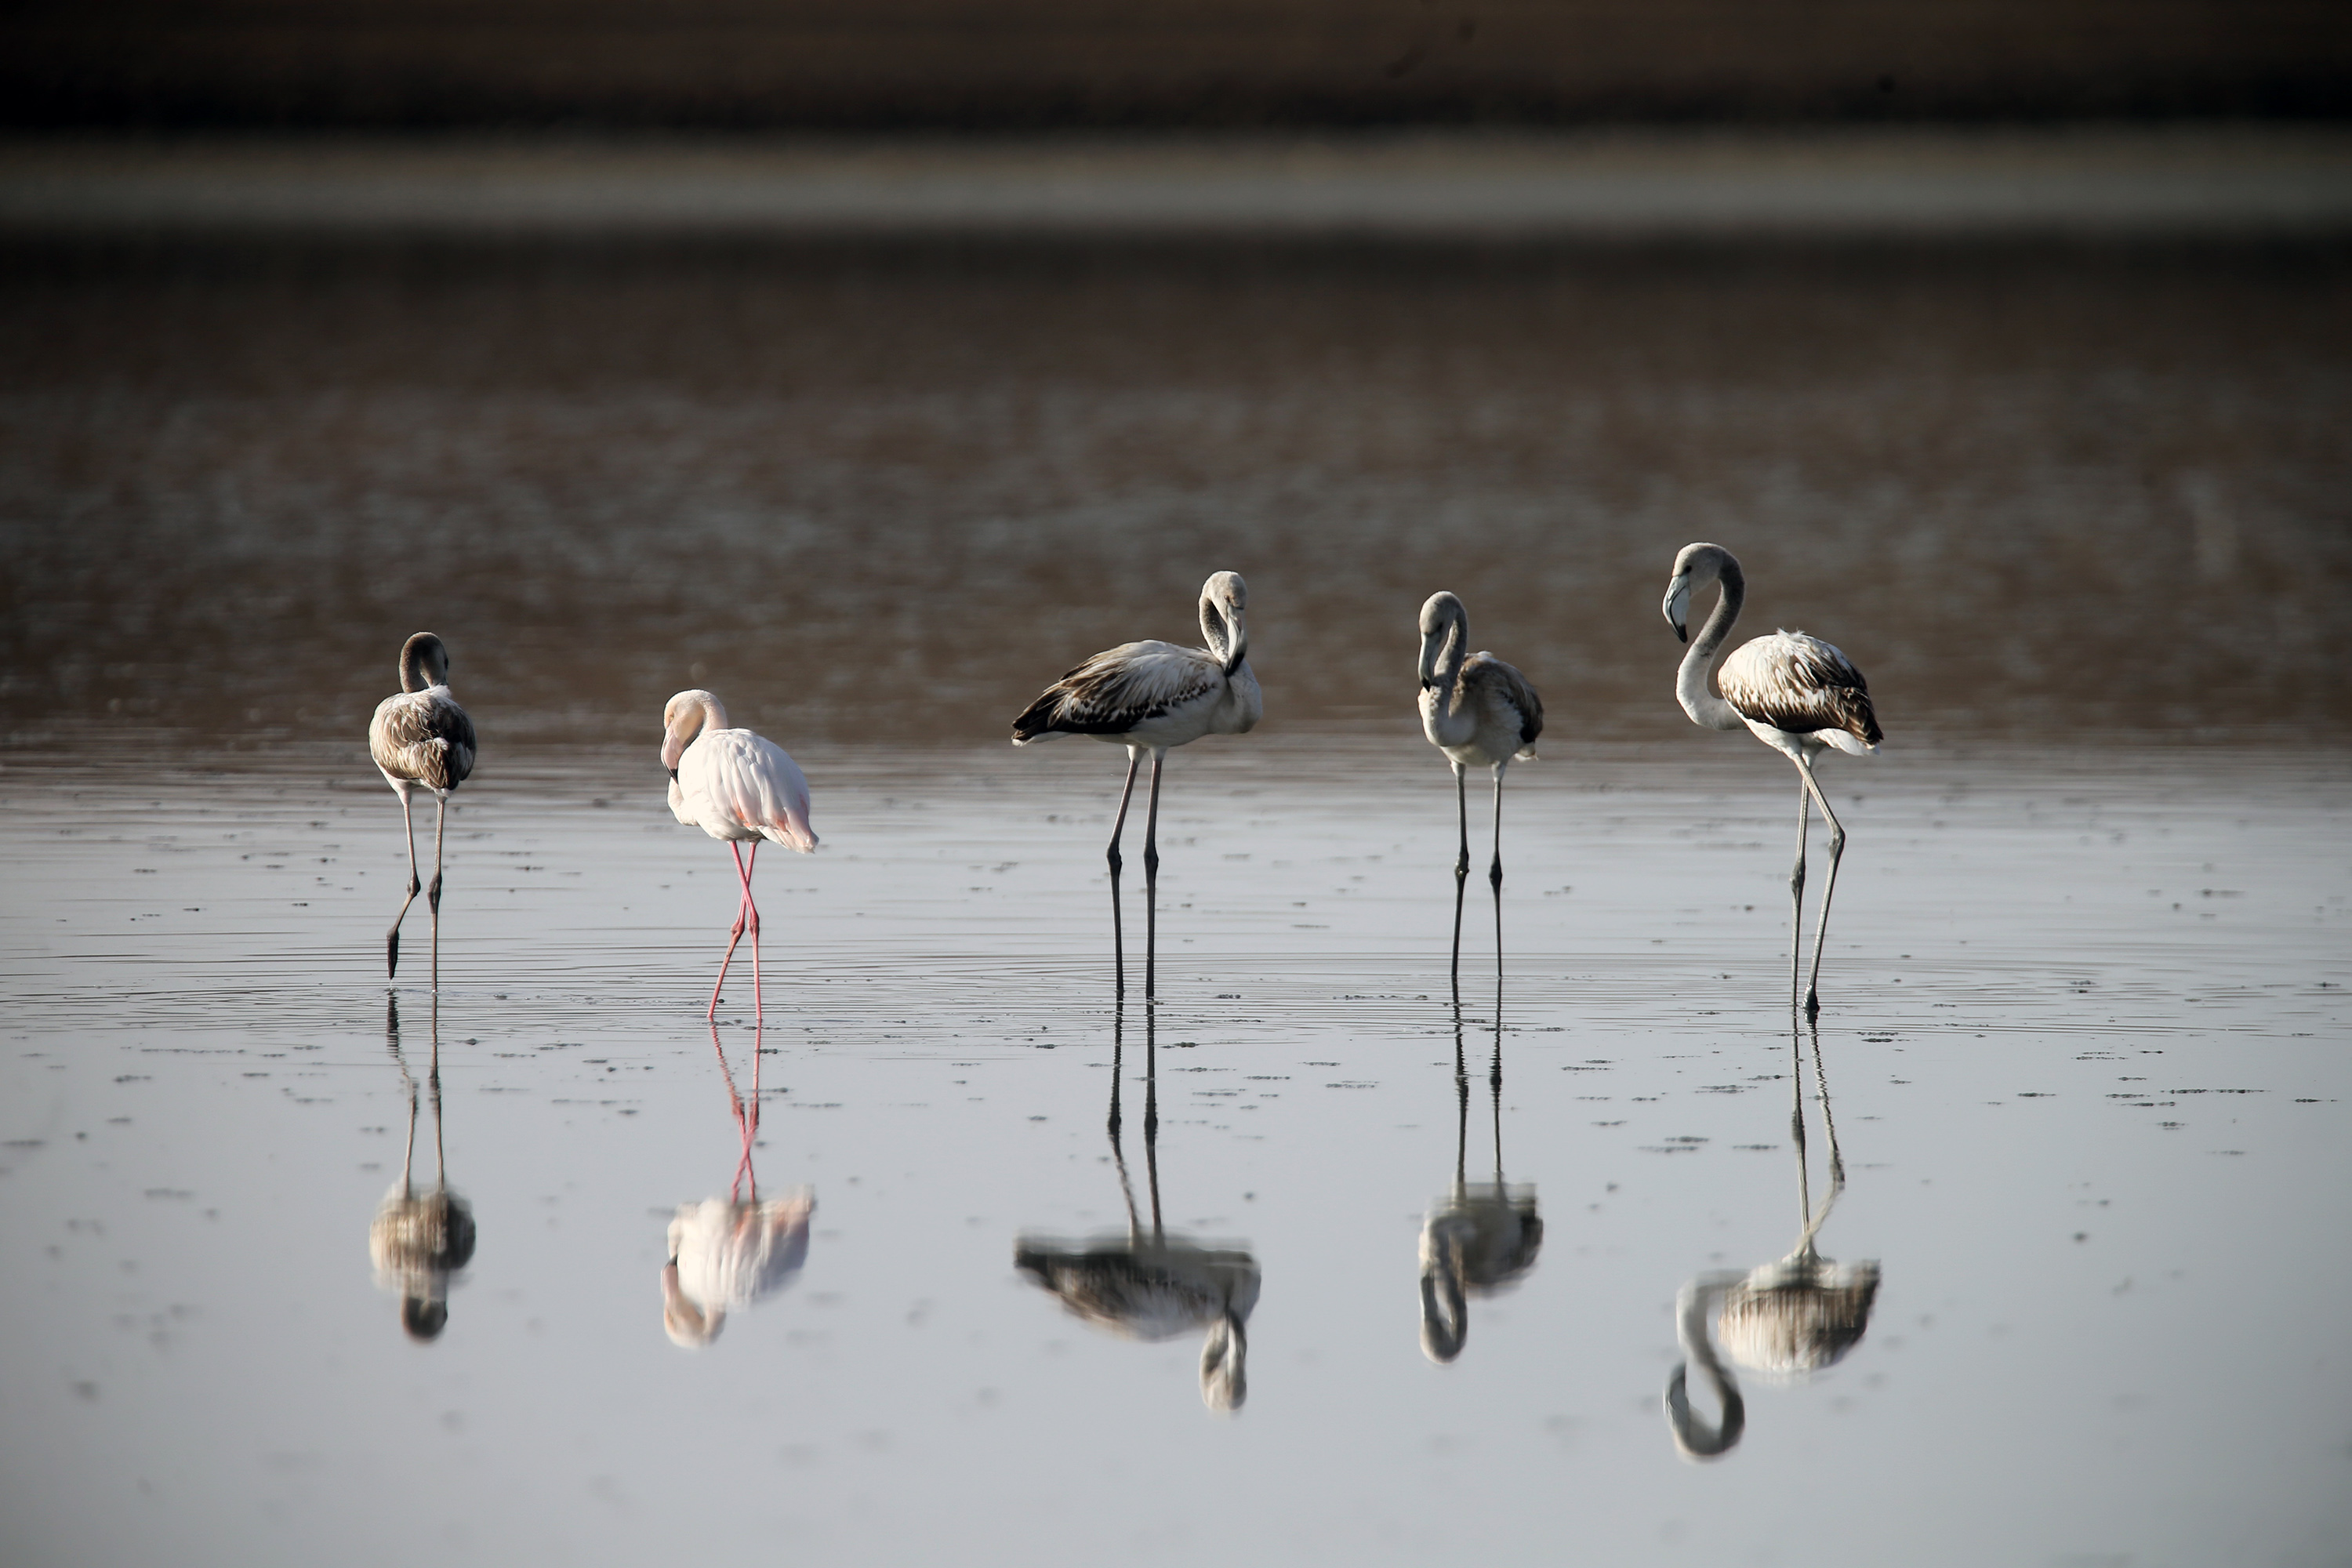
{"x": 425, "y": 737}
{"x": 1796, "y": 682}
{"x": 420, "y": 738}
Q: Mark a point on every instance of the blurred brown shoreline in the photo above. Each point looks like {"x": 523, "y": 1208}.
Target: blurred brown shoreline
{"x": 2096, "y": 181}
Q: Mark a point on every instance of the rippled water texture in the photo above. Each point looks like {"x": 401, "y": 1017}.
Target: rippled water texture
{"x": 2030, "y": 1255}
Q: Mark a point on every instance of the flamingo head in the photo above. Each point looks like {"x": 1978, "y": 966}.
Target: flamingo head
{"x": 1224, "y": 1385}
{"x": 684, "y": 717}
{"x": 1224, "y": 597}
{"x": 1439, "y": 614}
{"x": 691, "y": 1326}
{"x": 1697, "y": 566}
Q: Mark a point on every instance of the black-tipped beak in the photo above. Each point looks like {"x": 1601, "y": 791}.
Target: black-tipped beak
{"x": 673, "y": 775}
{"x": 1680, "y": 635}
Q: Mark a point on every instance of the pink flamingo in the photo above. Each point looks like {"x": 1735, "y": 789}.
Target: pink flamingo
{"x": 738, "y": 787}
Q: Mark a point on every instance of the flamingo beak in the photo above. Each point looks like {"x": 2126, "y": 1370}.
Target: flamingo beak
{"x": 1677, "y": 606}
{"x": 673, "y": 775}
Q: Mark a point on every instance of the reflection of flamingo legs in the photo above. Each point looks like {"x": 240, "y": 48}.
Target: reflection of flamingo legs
{"x": 419, "y": 1244}
{"x": 747, "y": 1121}
{"x": 1482, "y": 1239}
{"x": 1157, "y": 1285}
{"x": 1787, "y": 1318}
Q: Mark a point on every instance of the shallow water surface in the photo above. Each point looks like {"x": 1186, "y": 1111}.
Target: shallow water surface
{"x": 2077, "y": 1096}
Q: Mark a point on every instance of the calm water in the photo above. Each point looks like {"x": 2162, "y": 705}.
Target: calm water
{"x": 2084, "y": 1047}
{"x": 2078, "y": 1094}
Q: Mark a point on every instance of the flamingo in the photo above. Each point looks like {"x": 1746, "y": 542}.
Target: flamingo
{"x": 1481, "y": 1237}
{"x": 420, "y": 737}
{"x": 1477, "y": 710}
{"x": 727, "y": 1253}
{"x": 1156, "y": 1286}
{"x": 420, "y": 1243}
{"x": 1786, "y": 1320}
{"x": 1148, "y": 696}
{"x": 738, "y": 787}
{"x": 1797, "y": 694}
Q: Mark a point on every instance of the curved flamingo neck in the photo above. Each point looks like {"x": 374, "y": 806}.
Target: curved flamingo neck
{"x": 1692, "y": 688}
{"x": 413, "y": 674}
{"x": 1693, "y": 1436}
{"x": 1225, "y": 638}
{"x": 1444, "y": 671}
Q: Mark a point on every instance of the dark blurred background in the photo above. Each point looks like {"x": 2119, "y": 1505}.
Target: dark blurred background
{"x": 995, "y": 64}
{"x": 872, "y": 364}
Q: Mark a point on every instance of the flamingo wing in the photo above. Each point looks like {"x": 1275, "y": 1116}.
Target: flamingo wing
{"x": 1120, "y": 688}
{"x": 1503, "y": 692}
{"x": 423, "y": 736}
{"x": 739, "y": 785}
{"x": 1799, "y": 684}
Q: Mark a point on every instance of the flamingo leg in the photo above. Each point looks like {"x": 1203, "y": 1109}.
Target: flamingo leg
{"x": 758, "y": 1016}
{"x": 1151, "y": 1110}
{"x": 433, "y": 894}
{"x": 1797, "y": 885}
{"x": 1829, "y": 886}
{"x": 392, "y": 937}
{"x": 1151, "y": 881}
{"x": 744, "y": 914}
{"x": 1117, "y": 828}
{"x": 1495, "y": 872}
{"x": 1495, "y": 1073}
{"x": 1462, "y": 811}
{"x": 1460, "y": 882}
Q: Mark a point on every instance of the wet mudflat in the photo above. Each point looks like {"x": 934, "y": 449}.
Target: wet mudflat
{"x": 2086, "y": 1086}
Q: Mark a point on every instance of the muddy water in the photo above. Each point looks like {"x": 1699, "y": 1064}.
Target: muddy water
{"x": 1399, "y": 1277}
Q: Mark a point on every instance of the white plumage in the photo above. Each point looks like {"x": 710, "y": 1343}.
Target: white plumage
{"x": 739, "y": 788}
{"x": 1792, "y": 691}
{"x": 724, "y": 1256}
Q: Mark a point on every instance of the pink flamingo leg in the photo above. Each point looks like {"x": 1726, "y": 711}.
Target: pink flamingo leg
{"x": 744, "y": 912}
{"x": 759, "y": 1016}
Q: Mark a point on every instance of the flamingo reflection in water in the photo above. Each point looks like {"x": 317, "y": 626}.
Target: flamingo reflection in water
{"x": 420, "y": 1243}
{"x": 1481, "y": 1237}
{"x": 1153, "y": 1285}
{"x": 727, "y": 1253}
{"x": 1784, "y": 1321}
